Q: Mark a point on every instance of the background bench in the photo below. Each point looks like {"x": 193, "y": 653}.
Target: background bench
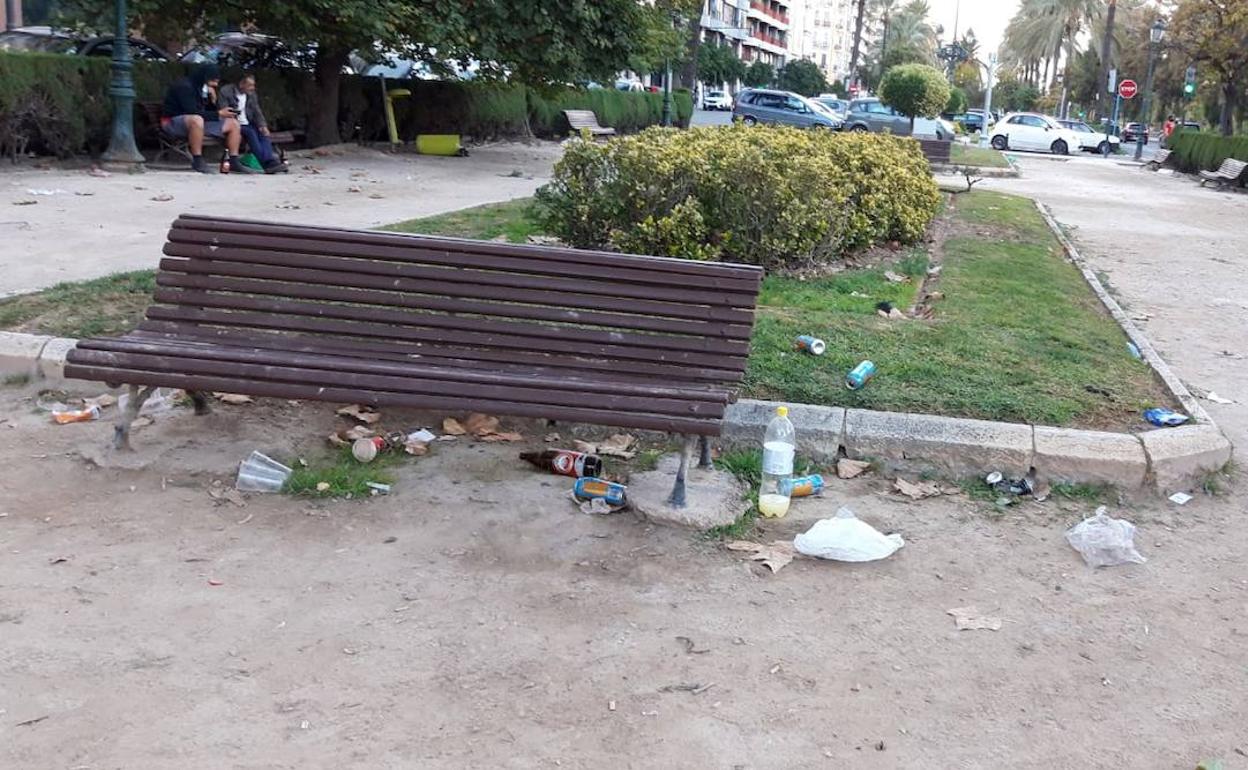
{"x": 936, "y": 150}
{"x": 1158, "y": 160}
{"x": 436, "y": 323}
{"x": 1228, "y": 173}
{"x": 169, "y": 145}
{"x": 587, "y": 120}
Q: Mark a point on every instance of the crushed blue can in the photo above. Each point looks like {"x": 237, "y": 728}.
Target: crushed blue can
{"x": 1165, "y": 418}
{"x": 803, "y": 486}
{"x": 1134, "y": 351}
{"x": 588, "y": 487}
{"x": 859, "y": 375}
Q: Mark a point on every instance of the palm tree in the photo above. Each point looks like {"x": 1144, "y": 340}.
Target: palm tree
{"x": 1042, "y": 28}
{"x": 853, "y": 52}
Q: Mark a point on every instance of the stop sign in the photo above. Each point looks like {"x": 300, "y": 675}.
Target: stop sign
{"x": 1127, "y": 89}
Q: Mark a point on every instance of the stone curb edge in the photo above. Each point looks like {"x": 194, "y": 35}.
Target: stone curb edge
{"x": 986, "y": 172}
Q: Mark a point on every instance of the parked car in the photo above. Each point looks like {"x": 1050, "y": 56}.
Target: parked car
{"x": 717, "y": 100}
{"x": 1134, "y": 130}
{"x": 48, "y": 40}
{"x": 756, "y": 106}
{"x": 840, "y": 107}
{"x": 873, "y": 115}
{"x": 1091, "y": 140}
{"x": 1189, "y": 125}
{"x": 250, "y": 51}
{"x": 1033, "y": 131}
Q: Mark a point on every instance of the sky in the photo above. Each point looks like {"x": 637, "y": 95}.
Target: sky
{"x": 987, "y": 17}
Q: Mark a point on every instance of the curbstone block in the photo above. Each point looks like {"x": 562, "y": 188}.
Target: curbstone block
{"x": 820, "y": 429}
{"x": 19, "y": 353}
{"x": 953, "y": 446}
{"x": 51, "y": 363}
{"x": 1179, "y": 457}
{"x": 1085, "y": 456}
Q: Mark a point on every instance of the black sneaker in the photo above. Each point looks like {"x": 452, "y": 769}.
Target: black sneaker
{"x": 198, "y": 164}
{"x": 238, "y": 167}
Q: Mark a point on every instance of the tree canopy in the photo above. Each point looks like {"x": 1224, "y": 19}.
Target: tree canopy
{"x": 802, "y": 77}
{"x": 915, "y": 90}
{"x": 759, "y": 74}
{"x": 718, "y": 64}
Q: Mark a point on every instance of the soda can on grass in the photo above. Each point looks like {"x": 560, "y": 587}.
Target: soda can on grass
{"x": 860, "y": 375}
{"x": 811, "y": 345}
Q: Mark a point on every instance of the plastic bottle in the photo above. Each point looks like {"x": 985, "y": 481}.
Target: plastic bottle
{"x": 779, "y": 446}
{"x": 76, "y": 415}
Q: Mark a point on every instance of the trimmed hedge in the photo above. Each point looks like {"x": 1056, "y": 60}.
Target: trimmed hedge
{"x": 70, "y": 96}
{"x": 1194, "y": 150}
{"x": 771, "y": 196}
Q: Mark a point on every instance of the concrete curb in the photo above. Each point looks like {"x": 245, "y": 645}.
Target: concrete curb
{"x": 986, "y": 172}
{"x": 19, "y": 354}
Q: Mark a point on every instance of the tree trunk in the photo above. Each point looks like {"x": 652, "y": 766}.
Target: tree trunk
{"x": 853, "y": 52}
{"x": 323, "y": 115}
{"x": 1057, "y": 58}
{"x": 1228, "y": 107}
{"x": 1045, "y": 77}
{"x": 689, "y": 72}
{"x": 1070, "y": 57}
{"x": 1102, "y": 90}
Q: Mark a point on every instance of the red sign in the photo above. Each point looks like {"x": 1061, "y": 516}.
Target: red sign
{"x": 1127, "y": 89}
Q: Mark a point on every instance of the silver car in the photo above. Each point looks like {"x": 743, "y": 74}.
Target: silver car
{"x": 874, "y": 115}
{"x": 785, "y": 108}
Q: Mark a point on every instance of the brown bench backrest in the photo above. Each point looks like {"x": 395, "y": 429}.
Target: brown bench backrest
{"x": 446, "y": 299}
{"x": 936, "y": 150}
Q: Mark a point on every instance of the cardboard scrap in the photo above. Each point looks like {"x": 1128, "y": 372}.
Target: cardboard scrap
{"x": 969, "y": 619}
{"x": 774, "y": 556}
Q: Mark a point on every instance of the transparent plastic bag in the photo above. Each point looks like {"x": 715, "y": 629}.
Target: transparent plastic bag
{"x": 845, "y": 537}
{"x": 1104, "y": 541}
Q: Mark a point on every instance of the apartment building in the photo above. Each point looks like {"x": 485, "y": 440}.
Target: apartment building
{"x": 756, "y": 30}
{"x": 822, "y": 31}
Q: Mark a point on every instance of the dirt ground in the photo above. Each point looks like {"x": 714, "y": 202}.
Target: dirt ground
{"x": 127, "y": 216}
{"x": 475, "y": 618}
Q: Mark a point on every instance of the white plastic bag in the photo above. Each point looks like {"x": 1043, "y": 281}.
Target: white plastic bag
{"x": 846, "y": 538}
{"x": 1104, "y": 541}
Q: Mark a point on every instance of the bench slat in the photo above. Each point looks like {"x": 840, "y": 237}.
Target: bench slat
{"x": 542, "y": 336}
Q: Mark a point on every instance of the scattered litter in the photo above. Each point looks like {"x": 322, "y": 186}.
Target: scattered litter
{"x": 162, "y": 198}
{"x": 65, "y": 417}
{"x": 235, "y": 399}
{"x": 322, "y": 486}
{"x": 811, "y": 345}
{"x": 696, "y": 689}
{"x": 850, "y": 469}
{"x": 161, "y": 400}
{"x": 619, "y": 445}
{"x": 1181, "y": 498}
{"x": 1215, "y": 398}
{"x": 597, "y": 507}
{"x": 355, "y": 188}
{"x": 223, "y": 495}
{"x": 802, "y": 486}
{"x": 103, "y": 401}
{"x": 97, "y": 171}
{"x": 215, "y": 582}
{"x": 43, "y": 191}
{"x": 35, "y": 721}
{"x": 565, "y": 462}
{"x": 1134, "y": 351}
{"x": 388, "y": 540}
{"x": 245, "y": 519}
{"x": 590, "y": 489}
{"x": 610, "y": 705}
{"x": 481, "y": 424}
{"x": 416, "y": 448}
{"x": 1104, "y": 541}
{"x": 860, "y": 375}
{"x": 969, "y": 619}
{"x": 376, "y": 196}
{"x": 895, "y": 277}
{"x": 365, "y": 414}
{"x": 508, "y": 436}
{"x": 1011, "y": 488}
{"x": 690, "y": 647}
{"x": 452, "y": 427}
{"x": 1165, "y": 418}
{"x": 261, "y": 473}
{"x": 859, "y": 295}
{"x": 846, "y": 538}
{"x": 551, "y": 438}
{"x": 774, "y": 556}
{"x": 365, "y": 449}
{"x": 26, "y": 202}
{"x": 887, "y": 310}
{"x": 424, "y": 436}
{"x": 917, "y": 490}
{"x": 377, "y": 488}
{"x": 58, "y": 560}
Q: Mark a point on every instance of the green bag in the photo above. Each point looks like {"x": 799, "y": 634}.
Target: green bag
{"x": 251, "y": 161}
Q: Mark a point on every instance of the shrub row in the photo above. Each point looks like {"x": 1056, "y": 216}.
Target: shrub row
{"x": 771, "y": 196}
{"x": 69, "y": 96}
{"x": 1194, "y": 151}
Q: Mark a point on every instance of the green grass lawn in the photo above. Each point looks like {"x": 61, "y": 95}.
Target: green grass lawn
{"x": 965, "y": 155}
{"x": 1018, "y": 336}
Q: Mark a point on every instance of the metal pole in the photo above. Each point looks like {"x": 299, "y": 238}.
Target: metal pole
{"x": 667, "y": 93}
{"x": 10, "y": 14}
{"x": 1113, "y": 124}
{"x": 983, "y": 129}
{"x": 122, "y": 152}
{"x": 1148, "y": 92}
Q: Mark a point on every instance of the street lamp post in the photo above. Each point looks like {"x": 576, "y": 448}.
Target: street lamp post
{"x": 1155, "y": 34}
{"x": 667, "y": 93}
{"x": 122, "y": 154}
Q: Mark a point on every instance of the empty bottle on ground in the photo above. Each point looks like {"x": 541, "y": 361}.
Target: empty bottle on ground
{"x": 779, "y": 446}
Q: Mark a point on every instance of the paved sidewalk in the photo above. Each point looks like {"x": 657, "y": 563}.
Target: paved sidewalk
{"x": 1173, "y": 254}
{"x": 92, "y": 226}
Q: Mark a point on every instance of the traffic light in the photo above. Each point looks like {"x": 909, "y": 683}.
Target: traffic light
{"x": 1189, "y": 82}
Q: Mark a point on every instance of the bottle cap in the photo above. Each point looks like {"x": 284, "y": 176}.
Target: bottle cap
{"x": 782, "y": 411}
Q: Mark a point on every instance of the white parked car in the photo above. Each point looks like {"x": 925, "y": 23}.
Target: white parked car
{"x": 1033, "y": 131}
{"x": 1092, "y": 140}
{"x": 716, "y": 100}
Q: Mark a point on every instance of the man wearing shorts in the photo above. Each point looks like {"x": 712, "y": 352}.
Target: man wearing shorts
{"x": 190, "y": 112}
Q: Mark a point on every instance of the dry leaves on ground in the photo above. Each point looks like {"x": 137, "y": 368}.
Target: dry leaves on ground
{"x": 480, "y": 424}
{"x": 969, "y": 619}
{"x": 551, "y": 438}
{"x": 508, "y": 436}
{"x": 452, "y": 427}
{"x": 162, "y": 198}
{"x": 917, "y": 490}
{"x": 222, "y": 495}
{"x": 365, "y": 414}
{"x": 774, "y": 556}
{"x": 849, "y": 469}
{"x": 352, "y": 434}
{"x": 103, "y": 401}
{"x": 234, "y": 398}
{"x": 620, "y": 445}
{"x": 416, "y": 448}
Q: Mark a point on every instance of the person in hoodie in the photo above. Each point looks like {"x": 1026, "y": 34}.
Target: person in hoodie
{"x": 255, "y": 127}
{"x": 191, "y": 112}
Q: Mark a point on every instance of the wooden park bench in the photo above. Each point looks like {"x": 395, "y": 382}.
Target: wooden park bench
{"x": 1228, "y": 173}
{"x": 586, "y": 120}
{"x": 173, "y": 146}
{"x": 936, "y": 150}
{"x": 1158, "y": 160}
{"x": 443, "y": 324}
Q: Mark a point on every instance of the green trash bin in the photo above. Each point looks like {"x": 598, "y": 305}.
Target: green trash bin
{"x": 439, "y": 144}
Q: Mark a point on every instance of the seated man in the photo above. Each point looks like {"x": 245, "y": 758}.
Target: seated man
{"x": 190, "y": 112}
{"x": 251, "y": 121}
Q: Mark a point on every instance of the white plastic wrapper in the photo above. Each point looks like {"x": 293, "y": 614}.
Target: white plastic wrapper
{"x": 1104, "y": 541}
{"x": 845, "y": 537}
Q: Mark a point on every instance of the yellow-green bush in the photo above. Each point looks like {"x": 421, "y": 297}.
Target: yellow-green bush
{"x": 772, "y": 196}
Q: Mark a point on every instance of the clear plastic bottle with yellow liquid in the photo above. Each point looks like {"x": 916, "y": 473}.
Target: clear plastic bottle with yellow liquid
{"x": 779, "y": 446}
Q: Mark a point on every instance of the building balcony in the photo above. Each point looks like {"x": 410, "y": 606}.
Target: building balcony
{"x": 769, "y": 43}
{"x": 724, "y": 27}
{"x": 770, "y": 13}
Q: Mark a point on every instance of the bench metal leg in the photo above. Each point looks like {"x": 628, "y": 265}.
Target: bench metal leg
{"x": 677, "y": 498}
{"x": 121, "y": 431}
{"x": 200, "y": 401}
{"x": 704, "y": 452}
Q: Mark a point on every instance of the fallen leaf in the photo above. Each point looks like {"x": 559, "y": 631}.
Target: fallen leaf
{"x": 416, "y": 448}
{"x": 494, "y": 437}
{"x": 917, "y": 491}
{"x": 551, "y": 438}
{"x": 969, "y": 619}
{"x": 619, "y": 445}
{"x": 337, "y": 440}
{"x": 480, "y": 424}
{"x": 103, "y": 401}
{"x": 234, "y": 398}
{"x": 357, "y": 432}
{"x": 230, "y": 495}
{"x": 849, "y": 469}
{"x": 365, "y": 414}
{"x": 773, "y": 556}
{"x": 451, "y": 426}
{"x": 162, "y": 198}
{"x": 584, "y": 447}
{"x": 895, "y": 278}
